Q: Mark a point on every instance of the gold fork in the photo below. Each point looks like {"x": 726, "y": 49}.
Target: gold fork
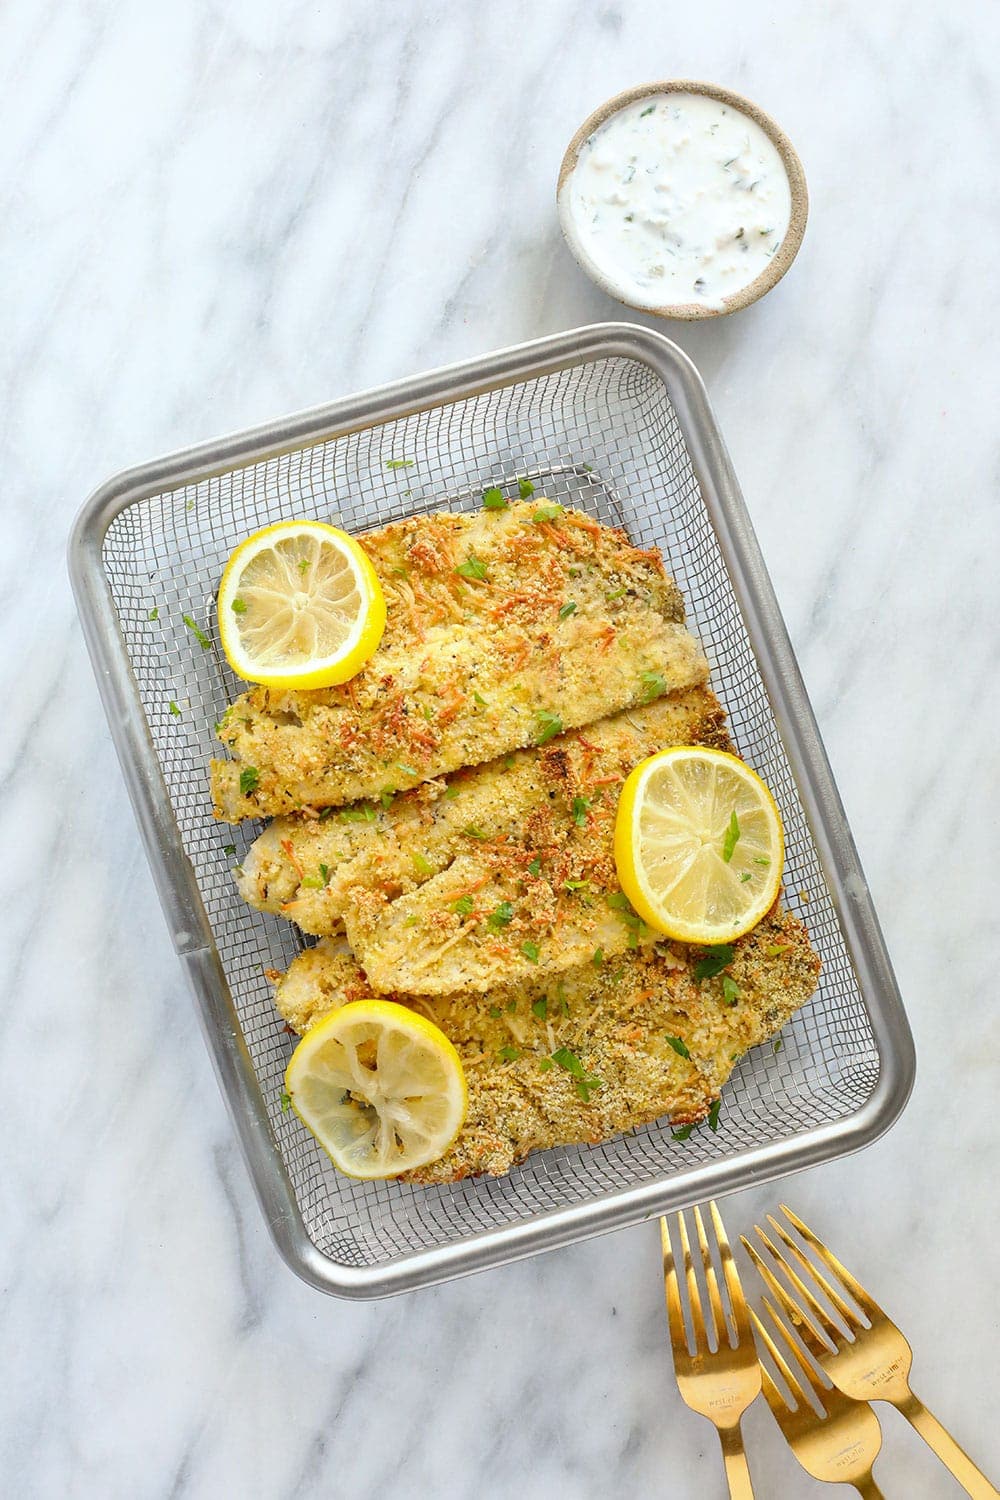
{"x": 718, "y": 1384}
{"x": 871, "y": 1362}
{"x": 837, "y": 1444}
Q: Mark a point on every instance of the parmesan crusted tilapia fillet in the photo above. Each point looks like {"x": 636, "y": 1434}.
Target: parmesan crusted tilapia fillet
{"x": 481, "y": 655}
{"x": 503, "y": 871}
{"x": 577, "y": 1062}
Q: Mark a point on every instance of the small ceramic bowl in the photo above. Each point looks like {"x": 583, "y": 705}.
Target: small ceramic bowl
{"x": 776, "y": 266}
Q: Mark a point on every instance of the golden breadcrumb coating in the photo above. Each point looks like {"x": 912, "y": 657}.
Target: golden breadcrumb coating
{"x": 598, "y": 1051}
{"x": 481, "y": 655}
{"x": 499, "y": 871}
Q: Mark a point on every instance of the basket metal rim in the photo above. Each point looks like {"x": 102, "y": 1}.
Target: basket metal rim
{"x": 181, "y": 900}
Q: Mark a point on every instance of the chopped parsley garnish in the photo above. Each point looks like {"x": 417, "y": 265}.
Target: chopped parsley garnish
{"x": 779, "y": 1044}
{"x": 535, "y": 868}
{"x": 154, "y": 613}
{"x": 495, "y": 1012}
{"x": 545, "y": 1064}
{"x": 474, "y": 832}
{"x": 547, "y": 513}
{"x": 654, "y": 685}
{"x": 583, "y": 1082}
{"x": 406, "y": 770}
{"x": 775, "y": 949}
{"x": 730, "y": 990}
{"x": 581, "y": 806}
{"x": 422, "y": 865}
{"x": 547, "y": 727}
{"x": 500, "y": 916}
{"x": 530, "y": 951}
{"x": 540, "y": 1008}
{"x": 400, "y": 463}
{"x": 509, "y": 1054}
{"x": 463, "y": 906}
{"x": 324, "y": 870}
{"x": 679, "y": 1047}
{"x": 286, "y": 1101}
{"x": 239, "y": 606}
{"x": 249, "y": 780}
{"x": 174, "y": 709}
{"x": 644, "y": 112}
{"x": 312, "y": 883}
{"x": 303, "y": 565}
{"x": 411, "y": 921}
{"x": 525, "y": 488}
{"x": 683, "y": 1133}
{"x": 493, "y": 499}
{"x": 478, "y": 698}
{"x": 569, "y": 1060}
{"x": 713, "y": 1114}
{"x": 199, "y": 635}
{"x": 568, "y": 609}
{"x": 715, "y": 960}
{"x": 761, "y": 859}
{"x": 732, "y": 837}
{"x": 473, "y": 567}
{"x": 598, "y": 957}
{"x": 362, "y": 813}
{"x": 511, "y": 1007}
{"x": 616, "y": 593}
{"x": 229, "y": 848}
{"x": 618, "y": 901}
{"x": 747, "y": 875}
{"x": 576, "y": 885}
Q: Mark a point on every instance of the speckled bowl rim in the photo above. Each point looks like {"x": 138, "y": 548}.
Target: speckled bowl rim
{"x": 779, "y": 262}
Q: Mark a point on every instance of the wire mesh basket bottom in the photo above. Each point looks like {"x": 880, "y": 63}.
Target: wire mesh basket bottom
{"x": 602, "y": 436}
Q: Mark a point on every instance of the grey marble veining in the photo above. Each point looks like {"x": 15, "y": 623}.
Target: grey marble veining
{"x": 213, "y": 214}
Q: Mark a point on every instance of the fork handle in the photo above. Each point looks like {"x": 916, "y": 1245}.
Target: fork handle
{"x": 737, "y": 1468}
{"x": 941, "y": 1442}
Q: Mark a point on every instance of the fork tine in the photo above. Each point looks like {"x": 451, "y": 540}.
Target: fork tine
{"x": 812, "y": 1378}
{"x": 694, "y": 1296}
{"x": 718, "y": 1317}
{"x": 806, "y": 1327}
{"x": 772, "y": 1395}
{"x": 737, "y": 1301}
{"x": 798, "y": 1394}
{"x": 848, "y": 1314}
{"x": 855, "y": 1288}
{"x": 675, "y": 1317}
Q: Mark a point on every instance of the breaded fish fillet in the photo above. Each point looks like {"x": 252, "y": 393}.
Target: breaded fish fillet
{"x": 501, "y": 871}
{"x": 503, "y": 628}
{"x": 604, "y": 1050}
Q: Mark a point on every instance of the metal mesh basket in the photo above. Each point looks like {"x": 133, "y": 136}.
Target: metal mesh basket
{"x": 615, "y": 424}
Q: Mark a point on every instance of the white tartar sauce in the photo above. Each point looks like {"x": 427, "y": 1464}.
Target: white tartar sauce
{"x": 678, "y": 198}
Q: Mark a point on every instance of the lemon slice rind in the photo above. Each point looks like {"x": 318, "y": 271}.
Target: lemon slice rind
{"x": 299, "y": 606}
{"x": 380, "y": 1087}
{"x": 674, "y": 814}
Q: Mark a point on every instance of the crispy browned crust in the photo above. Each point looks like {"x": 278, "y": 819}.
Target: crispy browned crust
{"x": 614, "y": 1018}
{"x": 419, "y": 882}
{"x": 468, "y": 668}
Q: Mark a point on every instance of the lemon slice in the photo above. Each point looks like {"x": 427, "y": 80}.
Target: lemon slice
{"x": 380, "y": 1087}
{"x": 698, "y": 845}
{"x": 300, "y": 606}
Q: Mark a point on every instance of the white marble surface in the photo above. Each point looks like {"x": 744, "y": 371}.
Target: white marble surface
{"x": 216, "y": 213}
